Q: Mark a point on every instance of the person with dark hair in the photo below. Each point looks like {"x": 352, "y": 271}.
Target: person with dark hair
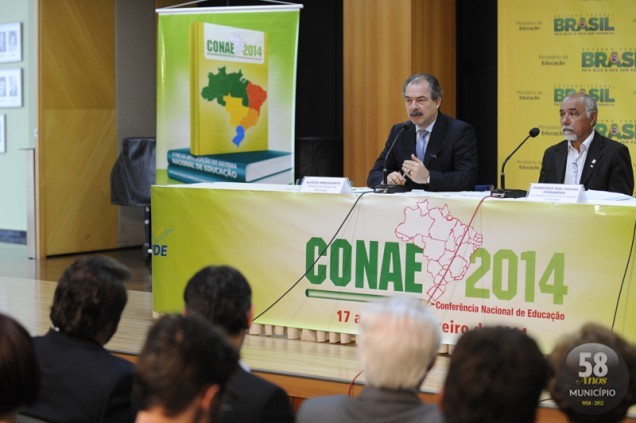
{"x": 564, "y": 375}
{"x": 223, "y": 296}
{"x": 19, "y": 369}
{"x": 431, "y": 151}
{"x": 80, "y": 380}
{"x": 496, "y": 375}
{"x": 586, "y": 157}
{"x": 182, "y": 370}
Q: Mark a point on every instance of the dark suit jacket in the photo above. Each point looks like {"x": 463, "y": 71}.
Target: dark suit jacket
{"x": 451, "y": 156}
{"x": 249, "y": 398}
{"x": 608, "y": 166}
{"x": 81, "y": 382}
{"x": 372, "y": 405}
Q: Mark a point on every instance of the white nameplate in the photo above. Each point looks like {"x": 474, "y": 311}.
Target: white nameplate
{"x": 557, "y": 193}
{"x": 326, "y": 185}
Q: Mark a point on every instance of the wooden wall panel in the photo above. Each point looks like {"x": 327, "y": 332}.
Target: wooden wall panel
{"x": 385, "y": 41}
{"x": 434, "y": 45}
{"x": 376, "y": 61}
{"x": 77, "y": 144}
{"x": 76, "y": 180}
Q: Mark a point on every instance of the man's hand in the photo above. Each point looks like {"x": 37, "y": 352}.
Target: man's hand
{"x": 395, "y": 178}
{"x": 415, "y": 170}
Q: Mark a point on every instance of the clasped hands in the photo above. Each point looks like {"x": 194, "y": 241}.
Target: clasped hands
{"x": 413, "y": 169}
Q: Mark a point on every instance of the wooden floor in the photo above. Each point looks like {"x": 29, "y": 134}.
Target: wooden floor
{"x": 305, "y": 369}
{"x": 14, "y": 262}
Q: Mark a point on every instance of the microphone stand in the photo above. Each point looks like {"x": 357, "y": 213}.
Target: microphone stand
{"x": 512, "y": 193}
{"x": 384, "y": 187}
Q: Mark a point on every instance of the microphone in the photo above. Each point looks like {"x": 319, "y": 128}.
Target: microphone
{"x": 503, "y": 192}
{"x": 384, "y": 187}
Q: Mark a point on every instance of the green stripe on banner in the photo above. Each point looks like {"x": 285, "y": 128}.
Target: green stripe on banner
{"x": 345, "y": 296}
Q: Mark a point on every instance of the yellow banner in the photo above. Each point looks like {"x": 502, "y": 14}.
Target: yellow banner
{"x": 313, "y": 264}
{"x": 548, "y": 49}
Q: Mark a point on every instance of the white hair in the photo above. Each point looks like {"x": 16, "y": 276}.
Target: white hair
{"x": 588, "y": 102}
{"x": 397, "y": 342}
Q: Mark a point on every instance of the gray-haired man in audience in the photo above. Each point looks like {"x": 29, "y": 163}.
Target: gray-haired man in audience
{"x": 397, "y": 345}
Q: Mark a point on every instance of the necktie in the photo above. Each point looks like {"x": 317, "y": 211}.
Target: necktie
{"x": 420, "y": 145}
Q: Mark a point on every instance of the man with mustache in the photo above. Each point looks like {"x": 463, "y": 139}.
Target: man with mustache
{"x": 585, "y": 156}
{"x": 432, "y": 151}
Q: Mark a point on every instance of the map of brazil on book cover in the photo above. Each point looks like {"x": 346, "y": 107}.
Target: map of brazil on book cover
{"x": 228, "y": 89}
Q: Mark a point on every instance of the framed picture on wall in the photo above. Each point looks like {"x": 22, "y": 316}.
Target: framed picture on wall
{"x": 11, "y": 87}
{"x": 10, "y": 42}
{"x": 3, "y": 137}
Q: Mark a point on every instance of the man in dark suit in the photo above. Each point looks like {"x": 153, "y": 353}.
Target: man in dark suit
{"x": 80, "y": 380}
{"x": 397, "y": 342}
{"x": 432, "y": 151}
{"x": 585, "y": 156}
{"x": 223, "y": 296}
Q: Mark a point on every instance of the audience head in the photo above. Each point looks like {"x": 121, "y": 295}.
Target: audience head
{"x": 223, "y": 296}
{"x": 183, "y": 367}
{"x": 496, "y": 375}
{"x": 397, "y": 342}
{"x": 90, "y": 298}
{"x": 561, "y": 375}
{"x": 19, "y": 368}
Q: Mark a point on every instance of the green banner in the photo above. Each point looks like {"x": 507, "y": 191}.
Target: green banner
{"x": 542, "y": 268}
{"x": 226, "y": 82}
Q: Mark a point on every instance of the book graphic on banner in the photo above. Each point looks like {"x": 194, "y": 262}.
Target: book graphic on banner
{"x": 228, "y": 89}
{"x": 239, "y": 167}
{"x": 191, "y": 176}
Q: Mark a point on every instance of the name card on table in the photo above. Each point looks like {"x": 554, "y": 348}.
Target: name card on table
{"x": 326, "y": 185}
{"x": 557, "y": 193}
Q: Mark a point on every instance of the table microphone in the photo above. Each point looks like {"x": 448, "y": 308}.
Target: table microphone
{"x": 512, "y": 193}
{"x": 384, "y": 187}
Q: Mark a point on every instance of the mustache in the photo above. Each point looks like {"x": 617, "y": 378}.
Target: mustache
{"x": 566, "y": 127}
{"x": 415, "y": 113}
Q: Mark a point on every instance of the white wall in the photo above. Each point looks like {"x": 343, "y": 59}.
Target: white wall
{"x": 20, "y": 122}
